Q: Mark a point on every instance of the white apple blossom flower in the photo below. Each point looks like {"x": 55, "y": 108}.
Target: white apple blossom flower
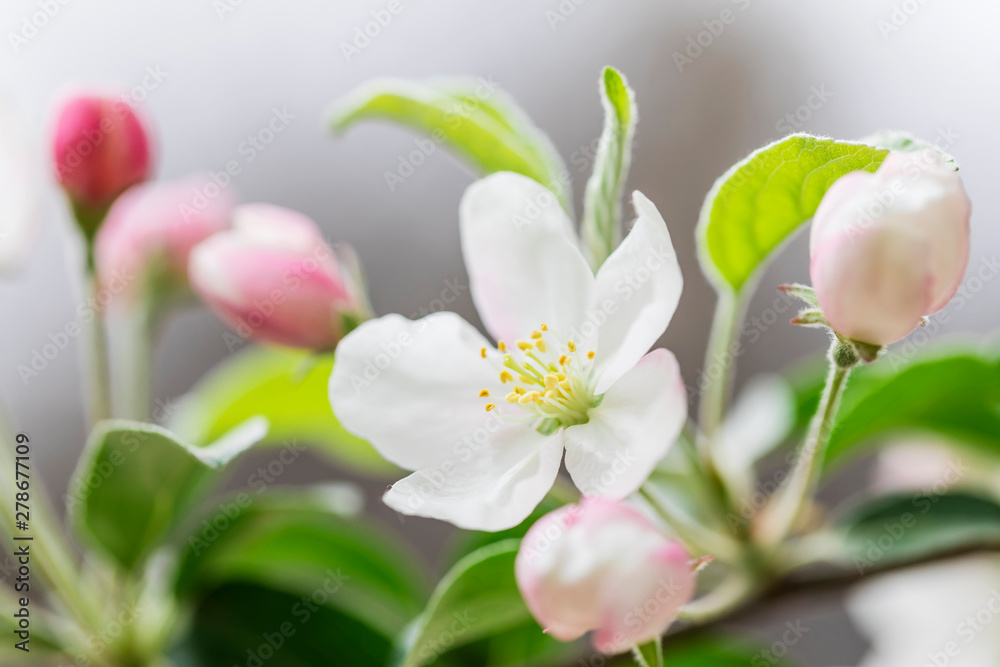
{"x": 485, "y": 426}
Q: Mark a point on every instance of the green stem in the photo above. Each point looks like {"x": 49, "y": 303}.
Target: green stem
{"x": 99, "y": 377}
{"x": 134, "y": 396}
{"x": 733, "y": 592}
{"x": 790, "y": 502}
{"x": 649, "y": 654}
{"x": 694, "y": 536}
{"x": 711, "y": 407}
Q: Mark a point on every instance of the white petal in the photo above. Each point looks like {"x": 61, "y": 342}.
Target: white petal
{"x": 892, "y": 609}
{"x": 632, "y": 429}
{"x": 638, "y": 288}
{"x": 490, "y": 486}
{"x": 523, "y": 258}
{"x": 411, "y": 388}
{"x": 760, "y": 418}
{"x": 20, "y": 190}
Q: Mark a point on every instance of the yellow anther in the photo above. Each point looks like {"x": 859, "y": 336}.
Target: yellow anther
{"x": 490, "y": 406}
{"x": 506, "y": 376}
{"x": 525, "y": 379}
{"x": 540, "y": 344}
{"x": 551, "y": 381}
{"x": 544, "y": 327}
{"x": 564, "y": 385}
{"x": 561, "y": 376}
{"x": 591, "y": 354}
{"x": 571, "y": 346}
{"x": 502, "y": 346}
{"x": 529, "y": 397}
{"x": 518, "y": 389}
{"x": 562, "y": 360}
{"x": 512, "y": 397}
{"x": 524, "y": 345}
{"x": 482, "y": 352}
{"x": 536, "y": 334}
{"x": 550, "y": 394}
{"x": 484, "y": 393}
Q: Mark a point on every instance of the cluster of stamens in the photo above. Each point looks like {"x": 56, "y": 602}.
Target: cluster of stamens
{"x": 550, "y": 380}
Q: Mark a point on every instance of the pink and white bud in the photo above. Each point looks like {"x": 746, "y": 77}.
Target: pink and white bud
{"x": 890, "y": 247}
{"x": 602, "y": 566}
{"x": 100, "y": 148}
{"x": 148, "y": 235}
{"x": 274, "y": 278}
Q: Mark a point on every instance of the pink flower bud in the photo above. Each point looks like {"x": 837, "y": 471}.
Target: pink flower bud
{"x": 890, "y": 247}
{"x": 602, "y": 566}
{"x": 100, "y": 148}
{"x": 150, "y": 231}
{"x": 274, "y": 278}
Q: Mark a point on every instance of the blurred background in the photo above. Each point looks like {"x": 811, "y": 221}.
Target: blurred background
{"x": 210, "y": 74}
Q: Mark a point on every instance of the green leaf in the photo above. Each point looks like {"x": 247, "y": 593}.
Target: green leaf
{"x": 756, "y": 205}
{"x": 478, "y": 598}
{"x": 299, "y": 542}
{"x": 713, "y": 650}
{"x": 474, "y": 117}
{"x": 895, "y": 140}
{"x": 952, "y": 393}
{"x": 601, "y": 226}
{"x": 469, "y": 541}
{"x": 907, "y": 527}
{"x": 136, "y": 481}
{"x": 289, "y": 388}
{"x": 245, "y": 624}
{"x": 525, "y": 645}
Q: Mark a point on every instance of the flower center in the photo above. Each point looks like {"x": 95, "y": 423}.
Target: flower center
{"x": 550, "y": 380}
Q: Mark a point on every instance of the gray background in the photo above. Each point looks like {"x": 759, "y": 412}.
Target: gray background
{"x": 225, "y": 74}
